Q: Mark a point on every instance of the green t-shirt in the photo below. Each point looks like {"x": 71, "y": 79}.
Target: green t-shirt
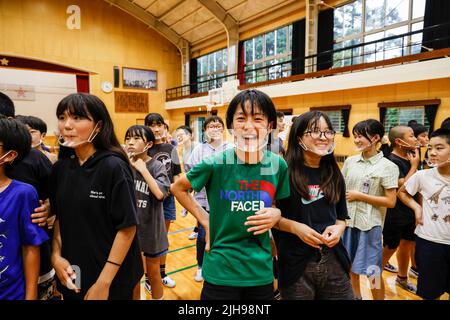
{"x": 236, "y": 191}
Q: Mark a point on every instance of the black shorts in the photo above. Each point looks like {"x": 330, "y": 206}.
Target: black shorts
{"x": 214, "y": 292}
{"x": 398, "y": 228}
{"x": 433, "y": 263}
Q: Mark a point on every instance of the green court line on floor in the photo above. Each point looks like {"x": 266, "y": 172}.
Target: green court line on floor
{"x": 178, "y": 231}
{"x": 175, "y": 271}
{"x": 182, "y": 248}
{"x": 182, "y": 269}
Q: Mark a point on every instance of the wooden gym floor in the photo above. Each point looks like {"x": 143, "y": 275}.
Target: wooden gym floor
{"x": 181, "y": 266}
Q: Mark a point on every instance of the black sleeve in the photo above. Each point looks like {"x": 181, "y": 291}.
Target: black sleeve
{"x": 341, "y": 206}
{"x": 122, "y": 199}
{"x": 284, "y": 206}
{"x": 400, "y": 166}
{"x": 44, "y": 170}
{"x": 176, "y": 168}
{"x": 52, "y": 189}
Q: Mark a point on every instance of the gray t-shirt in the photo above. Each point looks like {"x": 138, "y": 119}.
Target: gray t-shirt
{"x": 151, "y": 229}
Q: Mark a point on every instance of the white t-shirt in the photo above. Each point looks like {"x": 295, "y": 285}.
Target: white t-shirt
{"x": 435, "y": 190}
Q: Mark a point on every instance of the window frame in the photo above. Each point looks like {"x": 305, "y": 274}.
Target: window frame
{"x": 363, "y": 34}
{"x": 335, "y": 108}
{"x": 287, "y": 55}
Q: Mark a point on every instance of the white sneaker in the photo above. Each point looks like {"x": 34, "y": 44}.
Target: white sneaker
{"x": 193, "y": 236}
{"x": 169, "y": 282}
{"x": 198, "y": 275}
{"x": 148, "y": 287}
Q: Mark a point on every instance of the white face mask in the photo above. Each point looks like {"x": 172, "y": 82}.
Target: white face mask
{"x": 407, "y": 145}
{"x": 257, "y": 146}
{"x": 135, "y": 154}
{"x": 70, "y": 144}
{"x": 435, "y": 164}
{"x": 3, "y": 157}
{"x": 315, "y": 150}
{"x": 365, "y": 148}
{"x": 37, "y": 145}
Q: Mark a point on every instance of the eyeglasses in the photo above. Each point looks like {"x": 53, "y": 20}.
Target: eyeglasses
{"x": 219, "y": 127}
{"x": 316, "y": 134}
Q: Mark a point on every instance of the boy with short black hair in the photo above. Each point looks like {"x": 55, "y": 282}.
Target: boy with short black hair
{"x": 34, "y": 168}
{"x": 242, "y": 184}
{"x": 433, "y": 218}
{"x": 38, "y": 130}
{"x": 19, "y": 237}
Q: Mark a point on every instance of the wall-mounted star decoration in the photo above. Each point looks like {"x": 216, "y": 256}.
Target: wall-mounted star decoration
{"x": 4, "y": 62}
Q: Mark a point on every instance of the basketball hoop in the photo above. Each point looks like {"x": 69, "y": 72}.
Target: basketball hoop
{"x": 209, "y": 106}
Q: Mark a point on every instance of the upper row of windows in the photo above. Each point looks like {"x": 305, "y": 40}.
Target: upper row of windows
{"x": 357, "y": 22}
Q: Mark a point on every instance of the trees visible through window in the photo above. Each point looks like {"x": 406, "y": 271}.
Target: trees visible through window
{"x": 369, "y": 20}
{"x": 270, "y": 49}
{"x": 210, "y": 67}
{"x": 401, "y": 116}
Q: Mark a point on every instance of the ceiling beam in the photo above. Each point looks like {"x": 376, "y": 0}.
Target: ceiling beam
{"x": 186, "y": 16}
{"x": 151, "y": 21}
{"x": 198, "y": 26}
{"x": 170, "y": 10}
{"x": 224, "y": 18}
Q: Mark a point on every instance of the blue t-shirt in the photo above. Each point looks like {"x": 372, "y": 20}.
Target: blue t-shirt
{"x": 17, "y": 202}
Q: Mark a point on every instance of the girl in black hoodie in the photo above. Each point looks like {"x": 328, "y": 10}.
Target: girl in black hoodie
{"x": 95, "y": 251}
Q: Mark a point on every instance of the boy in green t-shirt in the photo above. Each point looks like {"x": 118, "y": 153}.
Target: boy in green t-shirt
{"x": 242, "y": 185}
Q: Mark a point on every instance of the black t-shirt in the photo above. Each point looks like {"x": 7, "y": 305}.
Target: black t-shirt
{"x": 92, "y": 202}
{"x": 35, "y": 169}
{"x": 167, "y": 154}
{"x": 400, "y": 211}
{"x": 316, "y": 212}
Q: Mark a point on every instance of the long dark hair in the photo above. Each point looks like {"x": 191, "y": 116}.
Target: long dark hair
{"x": 330, "y": 175}
{"x": 91, "y": 107}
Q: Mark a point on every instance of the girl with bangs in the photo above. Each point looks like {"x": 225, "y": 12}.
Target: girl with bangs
{"x": 151, "y": 187}
{"x": 312, "y": 261}
{"x": 95, "y": 250}
{"x": 371, "y": 182}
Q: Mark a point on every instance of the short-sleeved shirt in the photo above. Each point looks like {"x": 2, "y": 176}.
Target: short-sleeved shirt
{"x": 16, "y": 230}
{"x": 201, "y": 152}
{"x": 92, "y": 202}
{"x": 35, "y": 169}
{"x": 380, "y": 174}
{"x": 167, "y": 154}
{"x": 235, "y": 191}
{"x": 185, "y": 154}
{"x": 400, "y": 212}
{"x": 435, "y": 190}
{"x": 316, "y": 212}
{"x": 151, "y": 231}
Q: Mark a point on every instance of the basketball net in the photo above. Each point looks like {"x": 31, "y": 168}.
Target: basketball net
{"x": 209, "y": 106}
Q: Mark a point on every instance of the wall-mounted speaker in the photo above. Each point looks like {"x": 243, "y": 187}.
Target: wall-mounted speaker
{"x": 116, "y": 77}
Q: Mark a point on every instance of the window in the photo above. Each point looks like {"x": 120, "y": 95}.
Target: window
{"x": 401, "y": 116}
{"x": 339, "y": 116}
{"x": 369, "y": 20}
{"x": 210, "y": 67}
{"x": 336, "y": 120}
{"x": 270, "y": 49}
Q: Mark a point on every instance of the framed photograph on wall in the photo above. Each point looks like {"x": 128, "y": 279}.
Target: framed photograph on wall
{"x": 139, "y": 79}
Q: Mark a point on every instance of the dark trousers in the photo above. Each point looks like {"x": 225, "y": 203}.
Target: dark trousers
{"x": 323, "y": 279}
{"x": 214, "y": 292}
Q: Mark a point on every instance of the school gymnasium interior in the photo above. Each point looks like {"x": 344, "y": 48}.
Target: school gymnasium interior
{"x": 185, "y": 59}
